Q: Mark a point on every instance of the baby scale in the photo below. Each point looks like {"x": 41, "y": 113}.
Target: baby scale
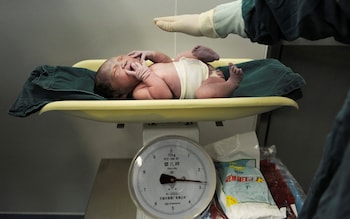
{"x": 171, "y": 176}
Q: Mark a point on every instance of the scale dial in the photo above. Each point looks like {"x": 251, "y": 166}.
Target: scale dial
{"x": 172, "y": 177}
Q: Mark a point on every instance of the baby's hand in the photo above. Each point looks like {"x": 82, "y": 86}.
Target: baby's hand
{"x": 142, "y": 54}
{"x": 139, "y": 70}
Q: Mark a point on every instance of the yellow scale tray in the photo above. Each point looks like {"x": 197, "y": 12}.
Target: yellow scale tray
{"x": 172, "y": 110}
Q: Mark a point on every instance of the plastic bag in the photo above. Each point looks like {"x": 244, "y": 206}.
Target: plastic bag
{"x": 284, "y": 188}
{"x": 243, "y": 193}
{"x": 237, "y": 147}
{"x": 241, "y": 188}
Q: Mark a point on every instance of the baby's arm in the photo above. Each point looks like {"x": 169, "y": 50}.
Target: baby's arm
{"x": 215, "y": 87}
{"x": 153, "y": 56}
{"x": 152, "y": 86}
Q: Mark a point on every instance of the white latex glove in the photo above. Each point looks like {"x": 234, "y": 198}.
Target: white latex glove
{"x": 139, "y": 70}
{"x": 192, "y": 24}
{"x": 228, "y": 20}
{"x": 188, "y": 24}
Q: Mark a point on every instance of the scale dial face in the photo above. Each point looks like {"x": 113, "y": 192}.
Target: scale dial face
{"x": 172, "y": 177}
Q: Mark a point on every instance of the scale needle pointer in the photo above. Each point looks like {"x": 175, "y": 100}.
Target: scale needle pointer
{"x": 167, "y": 179}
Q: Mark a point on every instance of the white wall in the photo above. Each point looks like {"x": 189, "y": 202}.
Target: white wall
{"x": 48, "y": 162}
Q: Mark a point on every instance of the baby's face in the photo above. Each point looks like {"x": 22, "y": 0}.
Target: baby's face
{"x": 121, "y": 81}
{"x": 123, "y": 62}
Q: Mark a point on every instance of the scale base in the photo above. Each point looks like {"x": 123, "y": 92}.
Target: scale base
{"x": 109, "y": 198}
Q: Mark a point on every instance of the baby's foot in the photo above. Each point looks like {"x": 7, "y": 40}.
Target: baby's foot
{"x": 236, "y": 74}
{"x": 205, "y": 54}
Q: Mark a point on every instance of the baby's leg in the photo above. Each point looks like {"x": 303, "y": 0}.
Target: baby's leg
{"x": 236, "y": 74}
{"x": 205, "y": 54}
{"x": 186, "y": 54}
{"x": 218, "y": 87}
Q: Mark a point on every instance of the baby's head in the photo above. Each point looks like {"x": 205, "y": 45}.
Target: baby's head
{"x": 112, "y": 81}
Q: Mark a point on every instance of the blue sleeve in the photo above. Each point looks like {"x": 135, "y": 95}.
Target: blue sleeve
{"x": 228, "y": 19}
{"x": 269, "y": 21}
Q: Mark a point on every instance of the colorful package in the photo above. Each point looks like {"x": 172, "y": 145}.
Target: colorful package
{"x": 243, "y": 193}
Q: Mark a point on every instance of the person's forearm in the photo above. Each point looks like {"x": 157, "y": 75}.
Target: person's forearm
{"x": 218, "y": 22}
{"x": 228, "y": 19}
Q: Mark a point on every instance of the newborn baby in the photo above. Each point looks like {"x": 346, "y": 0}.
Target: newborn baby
{"x": 187, "y": 76}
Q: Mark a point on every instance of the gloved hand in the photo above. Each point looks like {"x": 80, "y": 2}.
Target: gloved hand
{"x": 142, "y": 54}
{"x": 192, "y": 24}
{"x": 139, "y": 70}
{"x": 188, "y": 24}
{"x": 228, "y": 20}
